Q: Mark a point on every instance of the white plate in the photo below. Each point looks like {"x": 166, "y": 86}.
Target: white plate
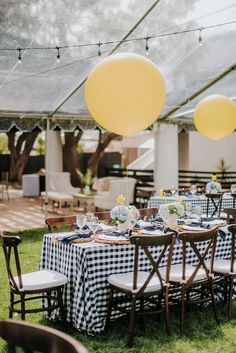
{"x": 152, "y": 232}
{"x": 186, "y": 227}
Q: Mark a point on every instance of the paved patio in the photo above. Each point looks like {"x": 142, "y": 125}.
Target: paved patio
{"x": 21, "y": 213}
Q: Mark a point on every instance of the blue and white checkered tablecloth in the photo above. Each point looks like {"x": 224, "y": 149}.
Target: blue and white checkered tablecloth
{"x": 201, "y": 200}
{"x": 87, "y": 267}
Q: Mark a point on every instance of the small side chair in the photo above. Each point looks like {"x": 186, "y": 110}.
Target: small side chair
{"x": 54, "y": 223}
{"x": 143, "y": 286}
{"x": 37, "y": 338}
{"x": 32, "y": 285}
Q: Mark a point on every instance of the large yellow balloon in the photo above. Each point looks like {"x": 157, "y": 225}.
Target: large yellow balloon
{"x": 125, "y": 93}
{"x": 215, "y": 117}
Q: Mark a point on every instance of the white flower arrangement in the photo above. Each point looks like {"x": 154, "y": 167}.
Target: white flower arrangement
{"x": 213, "y": 186}
{"x": 171, "y": 208}
{"x": 122, "y": 213}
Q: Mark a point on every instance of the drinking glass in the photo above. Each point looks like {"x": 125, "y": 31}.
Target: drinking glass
{"x": 81, "y": 221}
{"x": 93, "y": 224}
{"x": 198, "y": 211}
{"x": 188, "y": 209}
{"x": 173, "y": 190}
{"x": 193, "y": 189}
{"x": 233, "y": 189}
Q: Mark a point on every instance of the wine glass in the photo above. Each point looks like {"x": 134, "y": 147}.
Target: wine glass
{"x": 93, "y": 224}
{"x": 188, "y": 209}
{"x": 233, "y": 189}
{"x": 173, "y": 190}
{"x": 198, "y": 211}
{"x": 81, "y": 221}
{"x": 193, "y": 189}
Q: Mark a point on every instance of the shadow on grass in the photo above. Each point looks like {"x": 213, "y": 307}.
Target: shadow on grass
{"x": 200, "y": 331}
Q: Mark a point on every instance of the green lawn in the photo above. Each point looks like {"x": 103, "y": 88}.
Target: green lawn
{"x": 202, "y": 335}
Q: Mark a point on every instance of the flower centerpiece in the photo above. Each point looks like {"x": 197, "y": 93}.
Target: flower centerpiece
{"x": 170, "y": 212}
{"x": 124, "y": 215}
{"x": 213, "y": 186}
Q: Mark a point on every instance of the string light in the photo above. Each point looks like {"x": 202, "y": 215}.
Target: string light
{"x": 58, "y": 54}
{"x": 147, "y": 46}
{"x": 99, "y": 49}
{"x": 19, "y": 55}
{"x": 200, "y": 37}
{"x": 199, "y": 30}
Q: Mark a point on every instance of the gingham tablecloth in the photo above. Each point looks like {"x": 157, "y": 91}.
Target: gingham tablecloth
{"x": 87, "y": 267}
{"x": 200, "y": 200}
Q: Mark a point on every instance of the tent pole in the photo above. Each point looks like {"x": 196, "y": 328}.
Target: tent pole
{"x": 210, "y": 83}
{"x": 46, "y": 166}
{"x": 111, "y": 52}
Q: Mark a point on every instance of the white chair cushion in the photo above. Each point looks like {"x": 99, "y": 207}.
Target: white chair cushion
{"x": 176, "y": 273}
{"x": 221, "y": 266}
{"x": 41, "y": 280}
{"x": 125, "y": 281}
{"x": 57, "y": 196}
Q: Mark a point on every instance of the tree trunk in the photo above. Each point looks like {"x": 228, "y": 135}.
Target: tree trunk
{"x": 20, "y": 151}
{"x": 104, "y": 140}
{"x": 71, "y": 156}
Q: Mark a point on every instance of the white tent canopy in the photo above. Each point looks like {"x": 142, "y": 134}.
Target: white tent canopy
{"x": 38, "y": 86}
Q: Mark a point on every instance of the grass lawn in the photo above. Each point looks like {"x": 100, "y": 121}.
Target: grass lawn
{"x": 202, "y": 335}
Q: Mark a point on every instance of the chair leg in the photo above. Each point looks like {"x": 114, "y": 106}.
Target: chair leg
{"x": 11, "y": 301}
{"x": 22, "y": 300}
{"x": 231, "y": 284}
{"x": 167, "y": 311}
{"x": 213, "y": 301}
{"x": 183, "y": 291}
{"x": 108, "y": 318}
{"x": 62, "y": 308}
{"x": 132, "y": 322}
{"x": 49, "y": 304}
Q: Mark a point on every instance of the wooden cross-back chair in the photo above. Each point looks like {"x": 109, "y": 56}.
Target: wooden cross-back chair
{"x": 31, "y": 286}
{"x": 231, "y": 214}
{"x": 187, "y": 277}
{"x": 103, "y": 216}
{"x": 54, "y": 223}
{"x": 150, "y": 212}
{"x": 141, "y": 285}
{"x": 226, "y": 268}
{"x": 37, "y": 338}
{"x": 216, "y": 201}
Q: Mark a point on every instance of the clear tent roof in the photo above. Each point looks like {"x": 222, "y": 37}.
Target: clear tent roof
{"x": 40, "y": 84}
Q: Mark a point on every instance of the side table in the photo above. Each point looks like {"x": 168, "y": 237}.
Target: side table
{"x": 87, "y": 199}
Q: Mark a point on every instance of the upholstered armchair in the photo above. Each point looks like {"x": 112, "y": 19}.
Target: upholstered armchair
{"x": 107, "y": 199}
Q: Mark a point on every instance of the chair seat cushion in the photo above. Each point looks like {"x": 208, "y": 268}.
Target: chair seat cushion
{"x": 41, "y": 280}
{"x": 221, "y": 266}
{"x": 125, "y": 281}
{"x": 176, "y": 273}
{"x": 57, "y": 196}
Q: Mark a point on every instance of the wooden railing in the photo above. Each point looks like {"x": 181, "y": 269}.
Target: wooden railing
{"x": 200, "y": 178}
{"x": 145, "y": 178}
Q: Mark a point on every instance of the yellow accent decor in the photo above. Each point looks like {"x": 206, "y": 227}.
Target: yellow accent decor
{"x": 125, "y": 93}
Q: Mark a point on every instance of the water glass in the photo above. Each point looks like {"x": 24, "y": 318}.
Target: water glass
{"x": 93, "y": 223}
{"x": 188, "y": 209}
{"x": 193, "y": 189}
{"x": 233, "y": 189}
{"x": 173, "y": 190}
{"x": 81, "y": 221}
{"x": 198, "y": 211}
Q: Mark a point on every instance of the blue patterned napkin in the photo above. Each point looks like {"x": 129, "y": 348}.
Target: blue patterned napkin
{"x": 77, "y": 236}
